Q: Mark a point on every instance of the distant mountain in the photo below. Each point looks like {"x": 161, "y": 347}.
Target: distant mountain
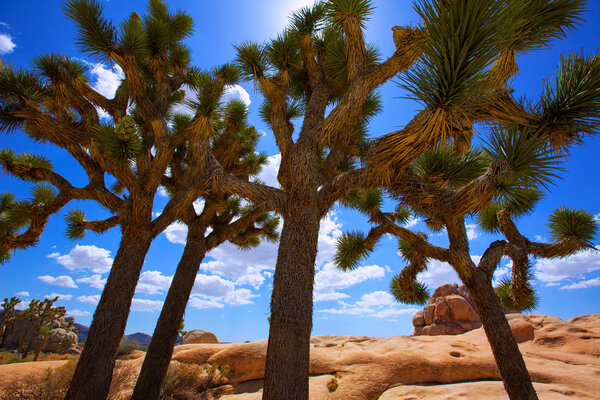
{"x": 82, "y": 331}
{"x": 142, "y": 338}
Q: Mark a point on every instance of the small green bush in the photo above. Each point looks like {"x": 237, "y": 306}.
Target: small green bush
{"x": 127, "y": 346}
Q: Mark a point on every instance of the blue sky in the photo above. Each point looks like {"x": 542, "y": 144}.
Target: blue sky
{"x": 232, "y": 293}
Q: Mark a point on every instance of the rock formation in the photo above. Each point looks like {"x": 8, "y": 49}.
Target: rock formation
{"x": 563, "y": 358}
{"x": 199, "y": 336}
{"x": 63, "y": 339}
{"x": 450, "y": 311}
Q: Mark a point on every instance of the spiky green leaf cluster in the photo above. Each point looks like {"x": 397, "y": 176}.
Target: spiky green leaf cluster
{"x": 531, "y": 162}
{"x": 507, "y": 300}
{"x": 365, "y": 201}
{"x": 461, "y": 39}
{"x": 339, "y": 11}
{"x": 569, "y": 224}
{"x": 95, "y": 34}
{"x": 535, "y": 23}
{"x": 42, "y": 194}
{"x": 293, "y": 110}
{"x": 251, "y": 59}
{"x": 75, "y": 224}
{"x": 350, "y": 251}
{"x": 17, "y": 85}
{"x": 569, "y": 106}
{"x": 59, "y": 68}
{"x": 283, "y": 52}
{"x": 123, "y": 146}
{"x": 417, "y": 293}
{"x": 443, "y": 166}
{"x": 402, "y": 214}
{"x": 308, "y": 20}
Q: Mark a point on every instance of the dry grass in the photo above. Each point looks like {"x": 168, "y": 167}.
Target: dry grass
{"x": 9, "y": 357}
{"x": 183, "y": 382}
{"x": 192, "y": 381}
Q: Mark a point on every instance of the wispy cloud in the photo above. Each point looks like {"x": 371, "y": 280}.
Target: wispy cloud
{"x": 63, "y": 280}
{"x": 583, "y": 284}
{"x": 6, "y": 44}
{"x": 377, "y": 304}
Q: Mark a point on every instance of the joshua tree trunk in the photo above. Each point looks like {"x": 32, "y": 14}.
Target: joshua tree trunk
{"x": 288, "y": 351}
{"x": 40, "y": 348}
{"x": 93, "y": 374}
{"x": 515, "y": 376}
{"x": 165, "y": 334}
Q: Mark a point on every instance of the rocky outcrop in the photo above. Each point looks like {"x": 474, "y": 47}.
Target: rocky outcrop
{"x": 563, "y": 358}
{"x": 199, "y": 336}
{"x": 64, "y": 335}
{"x": 450, "y": 311}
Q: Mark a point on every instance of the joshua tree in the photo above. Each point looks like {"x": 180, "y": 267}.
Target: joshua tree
{"x": 21, "y": 222}
{"x": 41, "y": 313}
{"x": 233, "y": 146}
{"x": 321, "y": 69}
{"x": 54, "y": 103}
{"x": 9, "y": 317}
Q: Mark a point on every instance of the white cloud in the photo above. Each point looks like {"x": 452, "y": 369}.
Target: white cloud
{"x": 78, "y": 313}
{"x": 583, "y": 284}
{"x": 176, "y": 232}
{"x": 153, "y": 282}
{"x": 268, "y": 173}
{"x": 472, "y": 232}
{"x": 377, "y": 304}
{"x": 162, "y": 192}
{"x": 597, "y": 217}
{"x": 94, "y": 299}
{"x": 200, "y": 303}
{"x": 235, "y": 92}
{"x": 94, "y": 281}
{"x": 64, "y": 281}
{"x": 96, "y": 259}
{"x": 23, "y": 293}
{"x": 439, "y": 273}
{"x": 107, "y": 80}
{"x": 6, "y": 44}
{"x": 61, "y": 296}
{"x": 240, "y": 297}
{"x": 330, "y": 279}
{"x": 412, "y": 222}
{"x": 211, "y": 286}
{"x": 247, "y": 266}
{"x": 555, "y": 270}
{"x": 146, "y": 305}
{"x": 541, "y": 239}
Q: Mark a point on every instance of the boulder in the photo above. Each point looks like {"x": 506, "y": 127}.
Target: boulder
{"x": 64, "y": 335}
{"x": 199, "y": 336}
{"x": 403, "y": 367}
{"x": 450, "y": 311}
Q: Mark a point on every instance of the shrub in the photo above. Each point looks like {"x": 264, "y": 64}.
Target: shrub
{"x": 332, "y": 385}
{"x": 54, "y": 383}
{"x": 191, "y": 381}
{"x": 127, "y": 346}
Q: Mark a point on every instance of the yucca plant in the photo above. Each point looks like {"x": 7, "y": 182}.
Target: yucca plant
{"x": 444, "y": 188}
{"x": 125, "y": 156}
{"x": 221, "y": 219}
{"x": 321, "y": 70}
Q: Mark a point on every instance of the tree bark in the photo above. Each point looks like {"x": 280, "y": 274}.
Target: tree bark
{"x": 93, "y": 373}
{"x": 166, "y": 332}
{"x": 288, "y": 351}
{"x": 515, "y": 376}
